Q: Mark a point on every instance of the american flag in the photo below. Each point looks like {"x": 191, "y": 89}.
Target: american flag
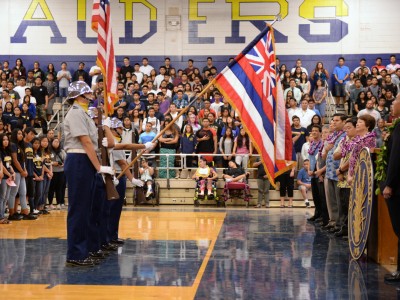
{"x": 251, "y": 85}
{"x": 101, "y": 24}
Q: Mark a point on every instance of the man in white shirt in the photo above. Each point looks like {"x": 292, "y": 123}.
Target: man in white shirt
{"x": 63, "y": 77}
{"x": 151, "y": 118}
{"x": 293, "y": 110}
{"x": 295, "y": 90}
{"x": 145, "y": 68}
{"x": 305, "y": 114}
{"x": 393, "y": 66}
{"x": 94, "y": 71}
{"x": 139, "y": 75}
{"x": 299, "y": 64}
{"x": 369, "y": 110}
{"x": 363, "y": 64}
{"x": 216, "y": 106}
{"x": 160, "y": 77}
{"x": 20, "y": 88}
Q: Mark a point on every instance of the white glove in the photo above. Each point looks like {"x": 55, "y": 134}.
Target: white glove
{"x": 148, "y": 145}
{"x": 104, "y": 142}
{"x": 107, "y": 122}
{"x": 115, "y": 181}
{"x": 106, "y": 170}
{"x": 137, "y": 182}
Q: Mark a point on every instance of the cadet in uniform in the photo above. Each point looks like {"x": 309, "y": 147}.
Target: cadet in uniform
{"x": 81, "y": 166}
{"x": 119, "y": 163}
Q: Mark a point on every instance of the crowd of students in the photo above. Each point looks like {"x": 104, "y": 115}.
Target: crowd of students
{"x": 148, "y": 100}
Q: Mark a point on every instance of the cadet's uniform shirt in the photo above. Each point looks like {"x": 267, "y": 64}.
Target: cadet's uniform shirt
{"x": 78, "y": 123}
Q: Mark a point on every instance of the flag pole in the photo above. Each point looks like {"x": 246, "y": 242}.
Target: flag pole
{"x": 168, "y": 126}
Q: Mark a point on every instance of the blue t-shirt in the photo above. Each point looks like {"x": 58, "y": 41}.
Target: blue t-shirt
{"x": 303, "y": 176}
{"x": 146, "y": 137}
{"x": 341, "y": 73}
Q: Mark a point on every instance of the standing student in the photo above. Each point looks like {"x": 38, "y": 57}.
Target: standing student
{"x": 48, "y": 169}
{"x": 9, "y": 175}
{"x": 18, "y": 164}
{"x": 57, "y": 183}
{"x": 263, "y": 184}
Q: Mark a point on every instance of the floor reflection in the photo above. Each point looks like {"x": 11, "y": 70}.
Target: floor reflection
{"x": 137, "y": 263}
{"x": 259, "y": 254}
{"x": 266, "y": 255}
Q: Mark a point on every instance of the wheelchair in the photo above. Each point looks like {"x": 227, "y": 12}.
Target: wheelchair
{"x": 214, "y": 196}
{"x": 237, "y": 190}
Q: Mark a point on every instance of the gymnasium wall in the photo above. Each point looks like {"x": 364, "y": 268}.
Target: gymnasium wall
{"x": 55, "y": 30}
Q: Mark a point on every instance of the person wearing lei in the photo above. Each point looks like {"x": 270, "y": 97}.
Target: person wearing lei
{"x": 343, "y": 153}
{"x": 366, "y": 138}
{"x": 313, "y": 151}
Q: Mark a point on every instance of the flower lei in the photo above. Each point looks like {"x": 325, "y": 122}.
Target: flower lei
{"x": 347, "y": 146}
{"x": 334, "y": 136}
{"x": 381, "y": 158}
{"x": 315, "y": 146}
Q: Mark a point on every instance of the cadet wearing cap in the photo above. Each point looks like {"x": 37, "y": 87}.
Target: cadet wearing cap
{"x": 119, "y": 163}
{"x": 81, "y": 166}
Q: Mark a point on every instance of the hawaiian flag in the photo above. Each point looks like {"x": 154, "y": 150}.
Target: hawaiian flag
{"x": 251, "y": 85}
{"x": 101, "y": 24}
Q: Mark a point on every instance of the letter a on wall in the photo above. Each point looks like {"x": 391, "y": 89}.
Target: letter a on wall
{"x": 31, "y": 20}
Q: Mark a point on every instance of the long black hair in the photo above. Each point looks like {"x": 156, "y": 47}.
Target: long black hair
{"x": 7, "y": 149}
{"x": 240, "y": 140}
{"x": 20, "y": 144}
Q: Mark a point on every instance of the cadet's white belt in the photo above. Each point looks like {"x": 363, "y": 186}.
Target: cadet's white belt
{"x": 76, "y": 151}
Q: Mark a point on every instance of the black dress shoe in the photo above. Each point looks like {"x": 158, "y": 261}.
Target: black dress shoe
{"x": 327, "y": 227}
{"x": 79, "y": 263}
{"x": 97, "y": 255}
{"x": 312, "y": 219}
{"x": 15, "y": 217}
{"x": 341, "y": 233}
{"x": 29, "y": 217}
{"x": 392, "y": 278}
{"x": 334, "y": 230}
{"x": 109, "y": 247}
{"x": 117, "y": 242}
{"x": 94, "y": 260}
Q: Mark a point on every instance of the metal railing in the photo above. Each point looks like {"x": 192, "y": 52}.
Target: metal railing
{"x": 183, "y": 162}
{"x": 58, "y": 114}
{"x": 330, "y": 103}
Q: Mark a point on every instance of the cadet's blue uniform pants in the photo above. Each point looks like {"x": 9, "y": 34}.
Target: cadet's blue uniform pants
{"x": 80, "y": 175}
{"x": 98, "y": 219}
{"x": 115, "y": 209}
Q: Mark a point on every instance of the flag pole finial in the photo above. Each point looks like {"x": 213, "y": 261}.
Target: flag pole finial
{"x": 278, "y": 18}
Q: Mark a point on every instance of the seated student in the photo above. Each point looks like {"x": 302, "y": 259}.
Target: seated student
{"x": 204, "y": 174}
{"x": 304, "y": 181}
{"x": 234, "y": 173}
{"x": 146, "y": 176}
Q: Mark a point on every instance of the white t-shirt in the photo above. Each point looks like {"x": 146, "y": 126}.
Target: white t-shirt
{"x": 216, "y": 106}
{"x": 139, "y": 77}
{"x": 21, "y": 92}
{"x": 64, "y": 81}
{"x": 94, "y": 78}
{"x": 146, "y": 69}
{"x": 306, "y": 117}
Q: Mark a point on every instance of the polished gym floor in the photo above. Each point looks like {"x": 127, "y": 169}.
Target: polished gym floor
{"x": 185, "y": 253}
